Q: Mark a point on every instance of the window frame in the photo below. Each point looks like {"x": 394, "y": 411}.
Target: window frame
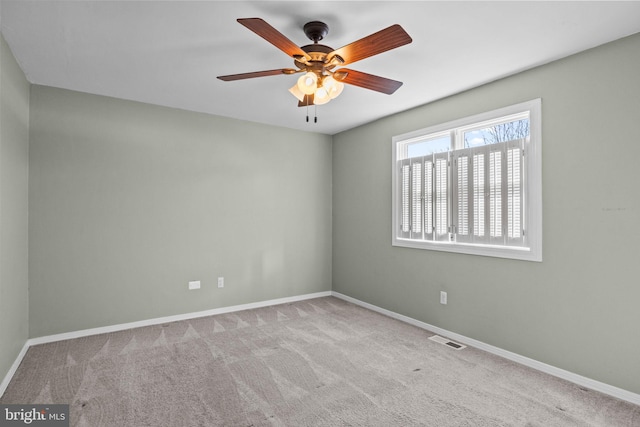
{"x": 532, "y": 191}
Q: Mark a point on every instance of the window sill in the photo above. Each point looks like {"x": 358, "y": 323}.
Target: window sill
{"x": 511, "y": 252}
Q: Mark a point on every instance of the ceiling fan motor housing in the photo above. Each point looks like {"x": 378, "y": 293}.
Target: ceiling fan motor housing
{"x": 318, "y": 64}
{"x": 316, "y": 30}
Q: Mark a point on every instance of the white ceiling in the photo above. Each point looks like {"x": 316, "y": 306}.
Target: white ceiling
{"x": 170, "y": 52}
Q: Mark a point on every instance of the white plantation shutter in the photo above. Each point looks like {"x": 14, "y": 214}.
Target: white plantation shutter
{"x": 489, "y": 194}
{"x": 416, "y": 198}
{"x": 471, "y": 194}
{"x": 462, "y": 195}
{"x": 495, "y": 193}
{"x": 515, "y": 192}
{"x": 415, "y": 209}
{"x": 405, "y": 186}
{"x": 494, "y": 183}
{"x": 441, "y": 196}
{"x": 429, "y": 225}
{"x": 479, "y": 186}
{"x": 477, "y": 197}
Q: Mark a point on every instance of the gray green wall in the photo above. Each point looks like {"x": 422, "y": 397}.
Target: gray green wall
{"x": 14, "y": 175}
{"x": 578, "y": 309}
{"x": 129, "y": 202}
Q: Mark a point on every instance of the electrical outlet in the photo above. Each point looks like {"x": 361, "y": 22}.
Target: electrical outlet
{"x": 443, "y": 297}
{"x": 221, "y": 282}
{"x": 195, "y": 284}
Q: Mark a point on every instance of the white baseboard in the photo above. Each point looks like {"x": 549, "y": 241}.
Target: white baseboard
{"x": 148, "y": 322}
{"x": 7, "y": 378}
{"x": 543, "y": 367}
{"x": 175, "y": 318}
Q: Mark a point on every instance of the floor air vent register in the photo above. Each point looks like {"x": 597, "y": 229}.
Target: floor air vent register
{"x": 444, "y": 341}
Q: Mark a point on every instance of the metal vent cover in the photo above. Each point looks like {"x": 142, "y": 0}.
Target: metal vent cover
{"x": 447, "y": 342}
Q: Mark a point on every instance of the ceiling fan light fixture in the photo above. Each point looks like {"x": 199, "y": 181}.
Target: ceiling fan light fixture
{"x": 295, "y": 91}
{"x": 321, "y": 96}
{"x": 308, "y": 83}
{"x": 334, "y": 87}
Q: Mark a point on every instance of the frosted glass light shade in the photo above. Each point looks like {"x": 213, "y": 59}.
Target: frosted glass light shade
{"x": 295, "y": 91}
{"x": 308, "y": 83}
{"x": 321, "y": 96}
{"x": 334, "y": 87}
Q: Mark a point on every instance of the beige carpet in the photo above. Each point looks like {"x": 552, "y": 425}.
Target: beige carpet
{"x": 321, "y": 362}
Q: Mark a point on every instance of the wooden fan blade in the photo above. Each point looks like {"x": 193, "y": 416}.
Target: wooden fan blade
{"x": 232, "y": 77}
{"x": 367, "y": 81}
{"x": 307, "y": 101}
{"x": 382, "y": 41}
{"x": 273, "y": 36}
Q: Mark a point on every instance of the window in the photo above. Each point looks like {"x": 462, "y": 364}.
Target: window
{"x": 472, "y": 185}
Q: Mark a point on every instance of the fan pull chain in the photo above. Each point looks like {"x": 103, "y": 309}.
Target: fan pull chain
{"x": 315, "y": 111}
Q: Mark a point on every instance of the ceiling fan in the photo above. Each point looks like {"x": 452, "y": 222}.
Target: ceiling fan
{"x": 321, "y": 82}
